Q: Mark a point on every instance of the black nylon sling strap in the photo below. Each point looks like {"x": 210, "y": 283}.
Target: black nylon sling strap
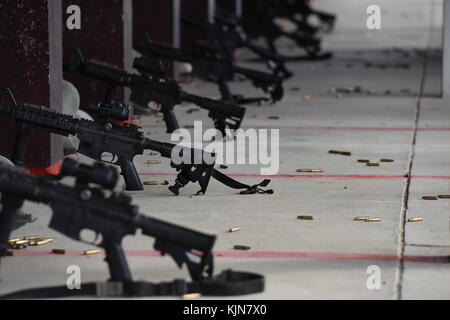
{"x": 228, "y": 283}
{"x": 230, "y": 182}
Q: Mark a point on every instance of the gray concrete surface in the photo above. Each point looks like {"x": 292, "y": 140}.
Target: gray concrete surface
{"x": 326, "y": 258}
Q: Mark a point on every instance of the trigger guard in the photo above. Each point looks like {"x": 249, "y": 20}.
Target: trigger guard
{"x": 158, "y": 106}
{"x": 96, "y": 242}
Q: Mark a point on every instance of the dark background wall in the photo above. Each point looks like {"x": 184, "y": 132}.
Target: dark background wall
{"x": 197, "y": 9}
{"x": 30, "y": 55}
{"x": 228, "y": 5}
{"x": 247, "y": 8}
{"x": 103, "y": 36}
{"x": 154, "y": 17}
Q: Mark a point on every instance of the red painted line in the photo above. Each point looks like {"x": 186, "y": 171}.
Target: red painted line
{"x": 288, "y": 176}
{"x": 347, "y": 128}
{"x": 427, "y": 259}
{"x": 331, "y": 256}
{"x": 430, "y": 177}
{"x": 160, "y": 174}
{"x": 433, "y": 129}
{"x": 312, "y": 176}
{"x": 329, "y": 128}
{"x": 259, "y": 255}
{"x": 349, "y": 95}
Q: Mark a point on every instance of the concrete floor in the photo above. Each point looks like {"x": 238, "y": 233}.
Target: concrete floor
{"x": 326, "y": 258}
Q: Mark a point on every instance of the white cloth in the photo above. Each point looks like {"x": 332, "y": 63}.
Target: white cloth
{"x": 6, "y": 162}
{"x": 71, "y": 106}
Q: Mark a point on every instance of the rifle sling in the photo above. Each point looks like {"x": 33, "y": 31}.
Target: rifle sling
{"x": 230, "y": 182}
{"x": 228, "y": 283}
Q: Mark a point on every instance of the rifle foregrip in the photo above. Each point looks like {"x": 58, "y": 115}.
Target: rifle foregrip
{"x": 20, "y": 147}
{"x": 103, "y": 72}
{"x": 129, "y": 173}
{"x": 170, "y": 119}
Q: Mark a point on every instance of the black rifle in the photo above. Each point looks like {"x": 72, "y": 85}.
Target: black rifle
{"x": 299, "y": 11}
{"x": 229, "y": 36}
{"x": 98, "y": 138}
{"x": 261, "y": 24}
{"x": 91, "y": 204}
{"x": 165, "y": 93}
{"x": 288, "y": 10}
{"x": 211, "y": 64}
{"x": 123, "y": 142}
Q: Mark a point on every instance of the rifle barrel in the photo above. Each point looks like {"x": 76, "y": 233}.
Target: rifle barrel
{"x": 214, "y": 105}
{"x": 162, "y": 147}
{"x": 164, "y": 51}
{"x": 174, "y": 234}
{"x": 257, "y": 75}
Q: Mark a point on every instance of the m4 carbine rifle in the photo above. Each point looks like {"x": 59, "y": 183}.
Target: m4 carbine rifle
{"x": 287, "y": 9}
{"x": 210, "y": 63}
{"x": 98, "y": 138}
{"x": 123, "y": 142}
{"x": 154, "y": 89}
{"x": 226, "y": 33}
{"x": 91, "y": 204}
{"x": 299, "y": 12}
{"x": 262, "y": 24}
